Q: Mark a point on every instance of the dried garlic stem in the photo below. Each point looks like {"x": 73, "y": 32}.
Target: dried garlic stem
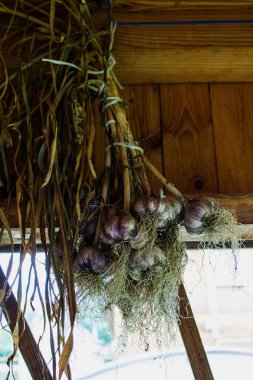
{"x": 126, "y": 177}
{"x": 118, "y": 111}
{"x": 143, "y": 175}
{"x": 120, "y": 115}
{"x": 169, "y": 186}
{"x": 125, "y": 163}
{"x": 108, "y": 163}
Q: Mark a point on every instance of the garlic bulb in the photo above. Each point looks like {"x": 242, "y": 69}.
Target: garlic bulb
{"x": 152, "y": 205}
{"x": 167, "y": 211}
{"x": 106, "y": 238}
{"x": 88, "y": 229}
{"x": 118, "y": 228}
{"x": 140, "y": 238}
{"x": 90, "y": 258}
{"x": 172, "y": 215}
{"x": 60, "y": 249}
{"x": 126, "y": 226}
{"x": 198, "y": 213}
{"x": 145, "y": 259}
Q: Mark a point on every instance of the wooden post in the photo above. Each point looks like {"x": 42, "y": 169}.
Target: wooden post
{"x": 27, "y": 344}
{"x": 192, "y": 341}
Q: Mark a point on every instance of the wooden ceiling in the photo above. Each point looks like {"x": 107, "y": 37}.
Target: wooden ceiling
{"x": 209, "y": 40}
{"x": 199, "y": 52}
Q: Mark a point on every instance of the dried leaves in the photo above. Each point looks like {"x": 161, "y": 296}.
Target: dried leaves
{"x": 52, "y": 117}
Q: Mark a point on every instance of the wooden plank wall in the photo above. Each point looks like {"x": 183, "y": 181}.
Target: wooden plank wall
{"x": 201, "y": 132}
{"x": 188, "y": 88}
{"x": 232, "y": 110}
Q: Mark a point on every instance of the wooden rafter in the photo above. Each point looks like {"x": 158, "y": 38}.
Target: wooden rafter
{"x": 27, "y": 344}
{"x": 241, "y": 204}
{"x": 192, "y": 340}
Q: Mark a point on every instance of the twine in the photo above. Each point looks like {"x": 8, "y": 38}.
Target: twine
{"x": 110, "y": 101}
{"x": 63, "y": 63}
{"x": 96, "y": 85}
{"x": 125, "y": 144}
{"x": 109, "y": 122}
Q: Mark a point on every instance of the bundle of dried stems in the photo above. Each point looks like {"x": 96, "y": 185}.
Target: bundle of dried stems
{"x": 110, "y": 240}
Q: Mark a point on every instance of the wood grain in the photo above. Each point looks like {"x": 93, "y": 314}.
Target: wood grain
{"x": 175, "y": 53}
{"x": 125, "y": 15}
{"x": 137, "y": 5}
{"x": 232, "y": 120}
{"x": 161, "y": 5}
{"x": 144, "y": 116}
{"x": 188, "y": 145}
{"x": 246, "y": 233}
{"x": 159, "y": 38}
{"x": 171, "y": 55}
{"x": 242, "y": 204}
{"x": 184, "y": 65}
{"x": 192, "y": 340}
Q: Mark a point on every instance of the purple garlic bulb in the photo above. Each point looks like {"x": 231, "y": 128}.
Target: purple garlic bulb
{"x": 167, "y": 211}
{"x": 147, "y": 258}
{"x": 118, "y": 228}
{"x": 198, "y": 214}
{"x": 91, "y": 259}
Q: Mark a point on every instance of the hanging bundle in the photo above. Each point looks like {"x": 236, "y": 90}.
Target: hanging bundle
{"x": 110, "y": 240}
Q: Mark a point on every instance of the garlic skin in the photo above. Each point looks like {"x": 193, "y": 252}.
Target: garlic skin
{"x": 153, "y": 205}
{"x": 143, "y": 260}
{"x": 126, "y": 226}
{"x": 172, "y": 215}
{"x": 91, "y": 259}
{"x": 118, "y": 228}
{"x": 198, "y": 213}
{"x": 106, "y": 238}
{"x": 139, "y": 239}
{"x": 168, "y": 212}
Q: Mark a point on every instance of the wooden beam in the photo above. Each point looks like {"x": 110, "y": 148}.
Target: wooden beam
{"x": 245, "y": 230}
{"x": 192, "y": 242}
{"x": 192, "y": 340}
{"x": 242, "y": 204}
{"x": 125, "y": 15}
{"x": 158, "y": 5}
{"x": 27, "y": 344}
{"x": 178, "y": 64}
{"x": 151, "y": 5}
{"x": 176, "y": 53}
{"x": 183, "y": 53}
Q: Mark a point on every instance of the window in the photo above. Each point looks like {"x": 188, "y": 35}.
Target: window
{"x": 222, "y": 302}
